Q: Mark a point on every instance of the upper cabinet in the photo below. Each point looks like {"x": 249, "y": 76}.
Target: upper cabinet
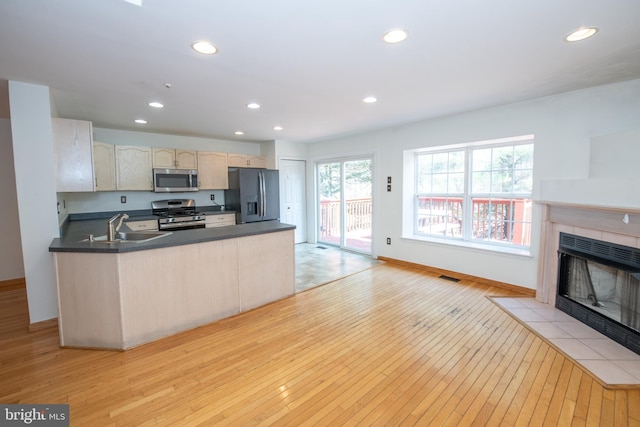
{"x": 134, "y": 168}
{"x": 73, "y": 152}
{"x": 212, "y": 171}
{"x": 168, "y": 158}
{"x": 246, "y": 161}
{"x": 104, "y": 166}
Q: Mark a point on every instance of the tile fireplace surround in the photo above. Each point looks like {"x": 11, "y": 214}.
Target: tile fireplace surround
{"x": 600, "y": 223}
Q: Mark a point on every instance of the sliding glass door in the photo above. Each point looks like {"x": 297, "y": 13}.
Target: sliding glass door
{"x": 345, "y": 203}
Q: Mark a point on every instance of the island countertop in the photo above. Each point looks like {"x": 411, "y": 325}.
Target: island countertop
{"x": 75, "y": 236}
{"x": 123, "y": 294}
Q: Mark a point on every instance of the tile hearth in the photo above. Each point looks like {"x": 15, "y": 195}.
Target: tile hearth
{"x": 612, "y": 364}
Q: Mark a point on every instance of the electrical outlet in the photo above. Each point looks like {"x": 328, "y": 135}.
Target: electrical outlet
{"x": 388, "y": 240}
{"x": 213, "y": 197}
{"x": 388, "y": 187}
{"x": 123, "y": 199}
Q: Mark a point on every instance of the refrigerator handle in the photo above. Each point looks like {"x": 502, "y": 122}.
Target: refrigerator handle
{"x": 263, "y": 201}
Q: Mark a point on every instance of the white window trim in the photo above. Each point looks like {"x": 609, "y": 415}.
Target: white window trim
{"x": 408, "y": 193}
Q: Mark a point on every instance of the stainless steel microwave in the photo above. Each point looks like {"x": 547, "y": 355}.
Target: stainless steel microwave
{"x": 175, "y": 180}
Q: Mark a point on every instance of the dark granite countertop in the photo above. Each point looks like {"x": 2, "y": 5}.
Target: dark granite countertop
{"x": 74, "y": 232}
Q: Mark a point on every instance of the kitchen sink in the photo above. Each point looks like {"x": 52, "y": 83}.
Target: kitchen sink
{"x": 131, "y": 237}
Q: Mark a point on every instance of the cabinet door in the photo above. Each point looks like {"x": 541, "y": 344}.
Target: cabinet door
{"x": 146, "y": 225}
{"x": 212, "y": 171}
{"x": 104, "y": 166}
{"x": 73, "y": 152}
{"x": 220, "y": 220}
{"x": 133, "y": 168}
{"x": 256, "y": 161}
{"x": 187, "y": 159}
{"x": 164, "y": 158}
{"x": 237, "y": 160}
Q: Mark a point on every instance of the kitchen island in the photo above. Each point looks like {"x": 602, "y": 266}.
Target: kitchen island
{"x": 124, "y": 294}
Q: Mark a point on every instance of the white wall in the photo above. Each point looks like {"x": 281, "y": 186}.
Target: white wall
{"x": 11, "y": 266}
{"x": 563, "y": 126}
{"x": 35, "y": 187}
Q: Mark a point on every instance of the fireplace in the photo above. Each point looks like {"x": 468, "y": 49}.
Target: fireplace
{"x": 599, "y": 284}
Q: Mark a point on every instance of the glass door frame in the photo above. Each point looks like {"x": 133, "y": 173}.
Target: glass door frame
{"x": 343, "y": 237}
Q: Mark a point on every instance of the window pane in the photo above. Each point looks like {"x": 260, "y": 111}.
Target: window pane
{"x": 424, "y": 163}
{"x": 502, "y": 220}
{"x": 439, "y": 183}
{"x": 440, "y": 162}
{"x": 456, "y": 161}
{"x": 440, "y": 216}
{"x": 523, "y": 181}
{"x": 424, "y": 184}
{"x": 481, "y": 182}
{"x": 523, "y": 156}
{"x": 456, "y": 183}
{"x": 502, "y": 158}
{"x": 501, "y": 181}
{"x": 482, "y": 159}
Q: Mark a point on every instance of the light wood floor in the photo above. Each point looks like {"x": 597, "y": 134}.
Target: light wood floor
{"x": 387, "y": 346}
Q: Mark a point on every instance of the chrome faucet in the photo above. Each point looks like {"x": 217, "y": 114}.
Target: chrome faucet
{"x": 111, "y": 230}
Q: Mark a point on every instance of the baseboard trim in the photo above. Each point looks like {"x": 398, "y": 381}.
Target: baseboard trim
{"x": 45, "y": 324}
{"x": 13, "y": 284}
{"x": 462, "y": 276}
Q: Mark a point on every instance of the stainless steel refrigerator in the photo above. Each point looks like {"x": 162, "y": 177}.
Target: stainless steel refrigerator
{"x": 253, "y": 194}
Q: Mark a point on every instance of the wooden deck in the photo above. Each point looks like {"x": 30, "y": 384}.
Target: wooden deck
{"x": 387, "y": 346}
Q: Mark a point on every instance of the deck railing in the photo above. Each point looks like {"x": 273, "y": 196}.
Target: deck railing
{"x": 505, "y": 220}
{"x": 358, "y": 216}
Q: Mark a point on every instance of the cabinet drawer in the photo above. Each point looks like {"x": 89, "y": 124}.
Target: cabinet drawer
{"x": 151, "y": 224}
{"x": 220, "y": 220}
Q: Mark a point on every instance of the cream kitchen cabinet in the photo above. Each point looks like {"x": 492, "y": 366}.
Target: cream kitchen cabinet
{"x": 104, "y": 166}
{"x": 134, "y": 168}
{"x": 212, "y": 171}
{"x": 220, "y": 220}
{"x": 246, "y": 161}
{"x": 73, "y": 153}
{"x": 169, "y": 158}
{"x": 144, "y": 225}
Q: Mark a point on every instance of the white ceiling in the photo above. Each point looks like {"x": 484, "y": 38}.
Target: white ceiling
{"x": 308, "y": 63}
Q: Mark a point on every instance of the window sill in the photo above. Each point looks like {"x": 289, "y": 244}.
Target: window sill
{"x": 471, "y": 245}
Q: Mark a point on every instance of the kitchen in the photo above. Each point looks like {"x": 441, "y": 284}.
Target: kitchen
{"x": 232, "y": 242}
{"x": 567, "y": 125}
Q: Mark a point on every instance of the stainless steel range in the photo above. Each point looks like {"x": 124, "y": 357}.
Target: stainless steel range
{"x": 177, "y": 214}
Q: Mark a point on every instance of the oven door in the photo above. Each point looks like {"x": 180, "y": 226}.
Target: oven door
{"x": 174, "y": 180}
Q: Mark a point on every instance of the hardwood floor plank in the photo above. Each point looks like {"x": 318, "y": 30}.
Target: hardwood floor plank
{"x": 595, "y": 404}
{"x": 387, "y": 346}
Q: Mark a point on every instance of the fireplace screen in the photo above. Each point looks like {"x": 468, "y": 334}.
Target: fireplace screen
{"x": 599, "y": 284}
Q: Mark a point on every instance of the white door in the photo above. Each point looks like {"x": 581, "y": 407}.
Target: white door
{"x": 292, "y": 196}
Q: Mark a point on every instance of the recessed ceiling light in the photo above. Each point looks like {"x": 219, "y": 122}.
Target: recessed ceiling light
{"x": 370, "y": 99}
{"x": 394, "y": 36}
{"x": 239, "y": 132}
{"x": 204, "y": 47}
{"x": 253, "y": 105}
{"x": 278, "y": 128}
{"x": 581, "y": 34}
{"x": 141, "y": 121}
{"x": 156, "y": 104}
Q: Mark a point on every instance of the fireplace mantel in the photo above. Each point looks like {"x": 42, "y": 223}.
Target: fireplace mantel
{"x": 615, "y": 225}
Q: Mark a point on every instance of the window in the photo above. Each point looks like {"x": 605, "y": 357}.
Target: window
{"x": 478, "y": 193}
